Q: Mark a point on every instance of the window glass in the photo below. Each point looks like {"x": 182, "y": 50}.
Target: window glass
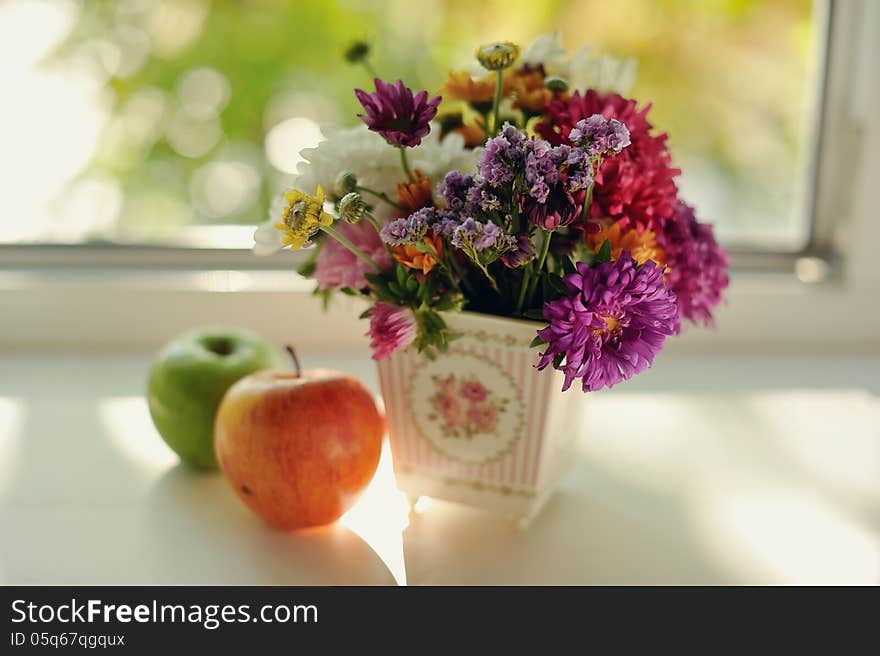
{"x": 174, "y": 122}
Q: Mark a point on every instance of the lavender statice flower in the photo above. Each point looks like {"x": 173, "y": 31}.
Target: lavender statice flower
{"x": 600, "y": 136}
{"x": 541, "y": 170}
{"x": 445, "y": 224}
{"x": 576, "y": 166}
{"x": 395, "y": 113}
{"x": 503, "y": 156}
{"x": 490, "y": 236}
{"x": 464, "y": 234}
{"x": 408, "y": 230}
{"x": 454, "y": 189}
{"x": 472, "y": 235}
{"x": 612, "y": 326}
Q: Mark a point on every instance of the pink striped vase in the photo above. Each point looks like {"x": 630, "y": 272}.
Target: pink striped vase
{"x": 480, "y": 425}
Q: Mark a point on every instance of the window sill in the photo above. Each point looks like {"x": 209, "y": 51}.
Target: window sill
{"x": 140, "y": 309}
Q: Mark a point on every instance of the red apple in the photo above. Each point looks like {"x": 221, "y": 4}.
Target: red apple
{"x": 298, "y": 448}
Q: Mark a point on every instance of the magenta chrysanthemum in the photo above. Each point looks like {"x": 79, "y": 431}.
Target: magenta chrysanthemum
{"x": 391, "y": 328}
{"x": 612, "y": 326}
{"x": 697, "y": 265}
{"x": 394, "y": 112}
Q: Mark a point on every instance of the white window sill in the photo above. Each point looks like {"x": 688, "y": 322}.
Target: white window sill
{"x": 131, "y": 310}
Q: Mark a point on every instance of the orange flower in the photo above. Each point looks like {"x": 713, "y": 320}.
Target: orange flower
{"x": 414, "y": 196}
{"x": 642, "y": 245}
{"x": 412, "y": 258}
{"x": 472, "y": 133}
{"x": 526, "y": 85}
{"x": 461, "y": 86}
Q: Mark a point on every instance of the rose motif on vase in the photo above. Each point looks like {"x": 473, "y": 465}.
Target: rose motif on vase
{"x": 467, "y": 407}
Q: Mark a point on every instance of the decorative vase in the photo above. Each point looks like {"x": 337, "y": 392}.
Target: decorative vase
{"x": 479, "y": 424}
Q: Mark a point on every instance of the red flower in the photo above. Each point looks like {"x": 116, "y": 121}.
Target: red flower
{"x": 635, "y": 187}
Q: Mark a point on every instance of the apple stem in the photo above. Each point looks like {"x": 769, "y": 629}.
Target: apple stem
{"x": 292, "y": 353}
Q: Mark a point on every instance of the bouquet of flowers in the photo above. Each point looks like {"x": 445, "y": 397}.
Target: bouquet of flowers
{"x": 536, "y": 191}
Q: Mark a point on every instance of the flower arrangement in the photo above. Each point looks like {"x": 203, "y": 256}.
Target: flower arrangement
{"x": 534, "y": 190}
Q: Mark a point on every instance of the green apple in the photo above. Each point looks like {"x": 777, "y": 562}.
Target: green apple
{"x": 188, "y": 380}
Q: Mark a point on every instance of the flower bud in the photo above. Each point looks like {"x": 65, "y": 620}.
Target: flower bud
{"x": 357, "y": 52}
{"x": 497, "y": 56}
{"x": 345, "y": 183}
{"x": 556, "y": 84}
{"x": 352, "y": 207}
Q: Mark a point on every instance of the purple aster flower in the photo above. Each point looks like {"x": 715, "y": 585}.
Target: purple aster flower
{"x": 697, "y": 265}
{"x": 520, "y": 253}
{"x": 612, "y": 326}
{"x": 401, "y": 118}
{"x": 599, "y": 135}
{"x": 410, "y": 229}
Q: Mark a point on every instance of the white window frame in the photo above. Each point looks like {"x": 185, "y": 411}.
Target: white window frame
{"x": 822, "y": 299}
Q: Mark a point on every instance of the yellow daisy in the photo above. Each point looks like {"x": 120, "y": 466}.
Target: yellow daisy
{"x": 302, "y": 217}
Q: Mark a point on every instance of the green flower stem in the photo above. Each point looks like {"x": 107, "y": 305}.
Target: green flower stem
{"x": 374, "y": 221}
{"x": 354, "y": 249}
{"x": 496, "y": 106}
{"x": 489, "y": 277}
{"x": 545, "y": 247}
{"x": 367, "y": 65}
{"x": 588, "y": 199}
{"x": 455, "y": 266}
{"x": 381, "y": 195}
{"x": 522, "y": 290}
{"x": 404, "y": 162}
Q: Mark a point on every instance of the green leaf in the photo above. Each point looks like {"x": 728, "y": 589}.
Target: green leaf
{"x": 400, "y": 274}
{"x": 412, "y": 285}
{"x": 567, "y": 264}
{"x": 348, "y": 291}
{"x": 307, "y": 268}
{"x": 537, "y": 342}
{"x": 365, "y": 313}
{"x": 397, "y": 290}
{"x": 557, "y": 284}
{"x": 604, "y": 254}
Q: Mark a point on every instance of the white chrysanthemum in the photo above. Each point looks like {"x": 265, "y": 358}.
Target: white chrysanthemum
{"x": 375, "y": 164}
{"x": 582, "y": 71}
{"x": 605, "y": 74}
{"x": 547, "y": 50}
{"x": 268, "y": 238}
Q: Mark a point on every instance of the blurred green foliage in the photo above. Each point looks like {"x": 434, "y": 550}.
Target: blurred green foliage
{"x": 730, "y": 80}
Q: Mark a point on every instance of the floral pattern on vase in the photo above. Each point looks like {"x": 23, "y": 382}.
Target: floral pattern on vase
{"x": 466, "y": 406}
